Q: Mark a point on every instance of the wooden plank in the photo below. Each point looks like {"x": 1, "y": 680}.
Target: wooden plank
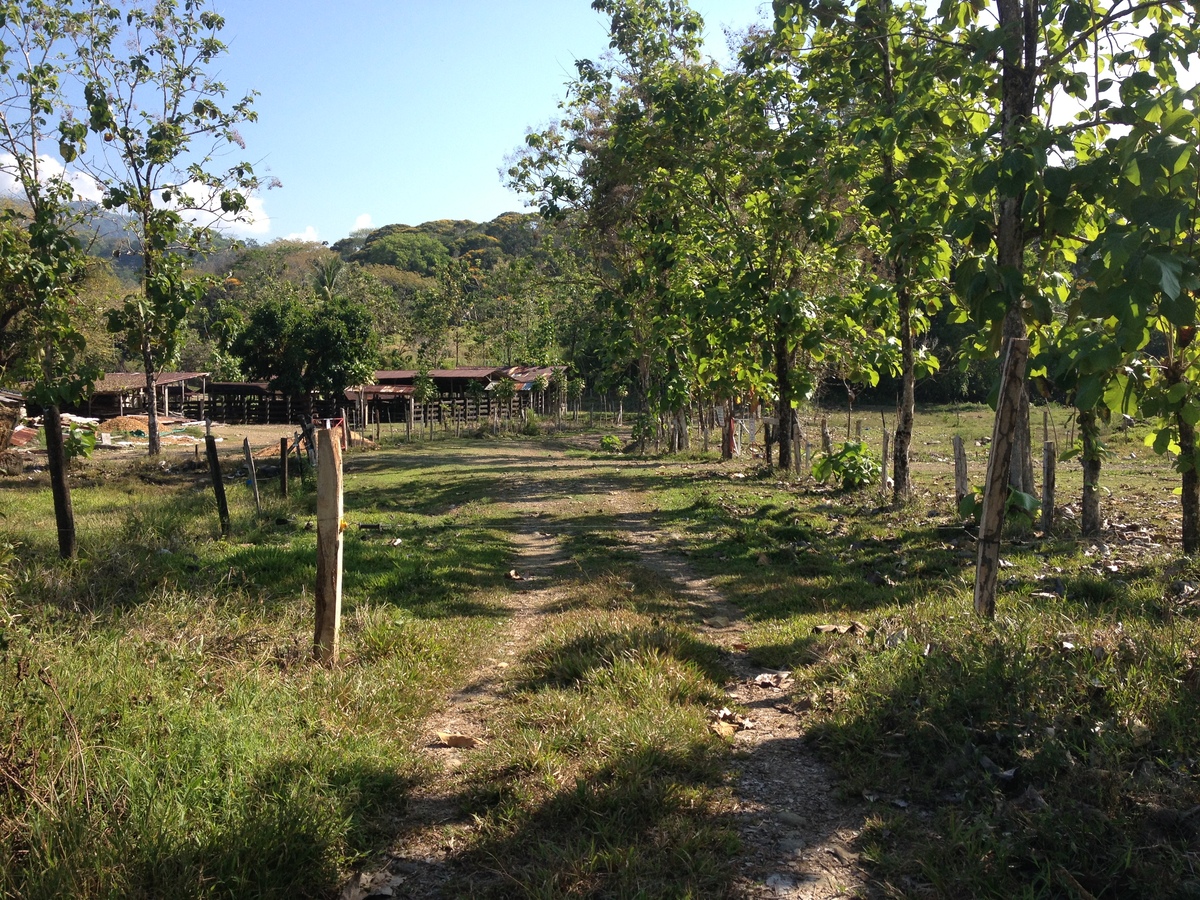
{"x": 214, "y": 469}
{"x": 329, "y": 547}
{"x": 250, "y": 467}
{"x": 995, "y": 490}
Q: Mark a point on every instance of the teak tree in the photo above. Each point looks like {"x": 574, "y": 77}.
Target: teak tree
{"x": 1027, "y": 210}
{"x": 153, "y": 99}
{"x": 41, "y": 261}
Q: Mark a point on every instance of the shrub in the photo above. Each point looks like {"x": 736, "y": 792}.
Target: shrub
{"x": 610, "y": 443}
{"x": 854, "y": 466}
{"x": 1021, "y": 508}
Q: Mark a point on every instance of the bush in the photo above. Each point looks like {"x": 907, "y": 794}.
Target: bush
{"x": 854, "y": 466}
{"x": 1020, "y": 508}
{"x": 610, "y": 443}
{"x": 532, "y": 427}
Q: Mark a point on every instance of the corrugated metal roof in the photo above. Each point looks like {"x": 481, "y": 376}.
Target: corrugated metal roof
{"x": 120, "y": 382}
{"x": 259, "y": 388}
{"x": 384, "y": 391}
{"x": 407, "y": 375}
{"x": 527, "y": 374}
{"x": 463, "y": 372}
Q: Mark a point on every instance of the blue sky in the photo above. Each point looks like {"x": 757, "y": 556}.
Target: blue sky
{"x": 380, "y": 111}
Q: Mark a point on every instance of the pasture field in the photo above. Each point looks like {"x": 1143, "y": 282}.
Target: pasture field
{"x": 582, "y": 617}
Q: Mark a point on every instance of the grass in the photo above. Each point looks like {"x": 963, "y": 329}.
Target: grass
{"x": 1051, "y": 753}
{"x": 169, "y": 737}
{"x": 603, "y": 779}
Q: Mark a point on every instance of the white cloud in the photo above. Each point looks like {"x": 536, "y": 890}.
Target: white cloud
{"x": 85, "y": 187}
{"x": 309, "y": 234}
{"x": 258, "y": 222}
{"x": 363, "y": 221}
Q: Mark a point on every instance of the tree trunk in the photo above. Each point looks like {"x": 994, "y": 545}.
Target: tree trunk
{"x": 901, "y": 488}
{"x": 1190, "y": 499}
{"x": 152, "y": 394}
{"x": 783, "y": 407}
{"x": 727, "y": 433}
{"x": 1090, "y": 431}
{"x": 64, "y": 512}
{"x": 995, "y": 490}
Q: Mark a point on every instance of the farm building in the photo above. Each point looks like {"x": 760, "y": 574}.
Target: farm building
{"x": 118, "y": 393}
{"x": 391, "y": 396}
{"x": 463, "y": 395}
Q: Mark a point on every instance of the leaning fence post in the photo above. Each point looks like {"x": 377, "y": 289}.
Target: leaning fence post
{"x": 214, "y": 469}
{"x": 253, "y": 473}
{"x": 283, "y": 466}
{"x": 961, "y": 484}
{"x": 1049, "y": 473}
{"x": 329, "y": 548}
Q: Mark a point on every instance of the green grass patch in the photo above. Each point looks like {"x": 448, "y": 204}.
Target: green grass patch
{"x": 167, "y": 733}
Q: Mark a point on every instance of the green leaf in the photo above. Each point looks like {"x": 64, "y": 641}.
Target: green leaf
{"x": 1168, "y": 270}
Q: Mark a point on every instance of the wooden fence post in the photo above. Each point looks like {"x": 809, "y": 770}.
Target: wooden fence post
{"x": 1049, "y": 474}
{"x": 329, "y": 548}
{"x": 253, "y": 473}
{"x": 962, "y": 485}
{"x": 995, "y": 489}
{"x": 214, "y": 469}
{"x": 883, "y": 476}
{"x": 283, "y": 466}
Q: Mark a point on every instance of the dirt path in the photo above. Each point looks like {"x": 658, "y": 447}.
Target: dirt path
{"x": 796, "y": 834}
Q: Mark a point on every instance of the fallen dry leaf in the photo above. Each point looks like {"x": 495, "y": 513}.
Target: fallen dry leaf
{"x": 771, "y": 679}
{"x": 724, "y": 729}
{"x": 854, "y": 627}
{"x": 460, "y": 741}
{"x": 830, "y": 629}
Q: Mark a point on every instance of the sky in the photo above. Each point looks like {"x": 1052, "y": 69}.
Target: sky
{"x": 373, "y": 112}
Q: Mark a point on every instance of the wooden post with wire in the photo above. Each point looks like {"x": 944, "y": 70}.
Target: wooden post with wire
{"x": 253, "y": 473}
{"x": 962, "y": 485}
{"x": 883, "y": 474}
{"x": 1049, "y": 476}
{"x": 214, "y": 469}
{"x": 329, "y": 547}
{"x": 283, "y": 466}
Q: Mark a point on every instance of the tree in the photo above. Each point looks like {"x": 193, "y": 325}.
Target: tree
{"x": 904, "y": 114}
{"x": 41, "y": 261}
{"x": 411, "y": 251}
{"x": 304, "y": 347}
{"x": 1029, "y": 205}
{"x": 153, "y": 98}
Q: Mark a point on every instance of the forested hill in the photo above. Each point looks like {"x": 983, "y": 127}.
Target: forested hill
{"x": 421, "y": 249}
